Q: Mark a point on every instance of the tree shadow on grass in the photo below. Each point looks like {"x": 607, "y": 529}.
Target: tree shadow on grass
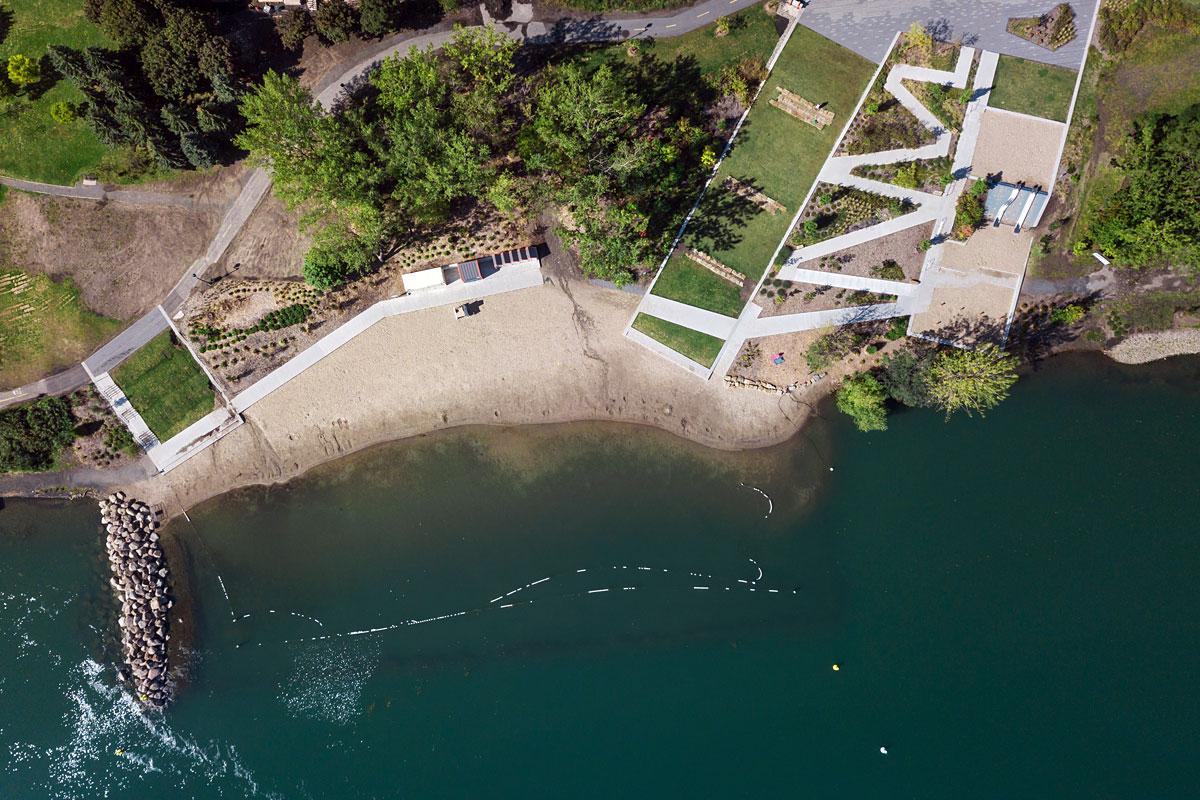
{"x": 721, "y": 217}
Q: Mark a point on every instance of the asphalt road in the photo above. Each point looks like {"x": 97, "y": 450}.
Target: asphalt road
{"x": 868, "y": 26}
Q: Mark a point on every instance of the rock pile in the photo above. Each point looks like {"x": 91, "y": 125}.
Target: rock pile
{"x": 140, "y": 579}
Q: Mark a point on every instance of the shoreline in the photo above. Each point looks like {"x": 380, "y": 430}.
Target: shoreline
{"x": 554, "y": 354}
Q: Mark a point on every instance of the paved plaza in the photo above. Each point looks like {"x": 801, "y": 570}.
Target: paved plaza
{"x": 867, "y": 26}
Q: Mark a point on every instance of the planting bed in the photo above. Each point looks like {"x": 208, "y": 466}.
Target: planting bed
{"x": 837, "y": 210}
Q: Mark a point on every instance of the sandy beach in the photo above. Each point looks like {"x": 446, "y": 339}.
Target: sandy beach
{"x": 546, "y": 355}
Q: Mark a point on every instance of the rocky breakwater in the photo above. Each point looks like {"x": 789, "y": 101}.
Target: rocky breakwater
{"x": 141, "y": 581}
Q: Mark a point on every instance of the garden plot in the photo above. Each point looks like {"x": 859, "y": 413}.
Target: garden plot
{"x": 838, "y": 210}
{"x": 883, "y": 123}
{"x": 874, "y": 259}
{"x": 930, "y": 175}
{"x": 793, "y": 297}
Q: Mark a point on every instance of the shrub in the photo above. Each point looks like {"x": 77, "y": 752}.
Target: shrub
{"x": 33, "y": 434}
{"x": 118, "y": 439}
{"x": 897, "y": 329}
{"x": 62, "y": 112}
{"x": 924, "y": 245}
{"x": 1068, "y": 314}
{"x": 889, "y": 270}
{"x": 23, "y": 71}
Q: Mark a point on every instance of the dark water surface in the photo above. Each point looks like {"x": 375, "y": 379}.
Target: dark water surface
{"x": 1013, "y": 603}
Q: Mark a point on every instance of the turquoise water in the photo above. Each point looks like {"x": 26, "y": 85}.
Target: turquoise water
{"x": 1012, "y": 603}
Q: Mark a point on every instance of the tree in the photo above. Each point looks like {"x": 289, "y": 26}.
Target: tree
{"x": 482, "y": 73}
{"x": 129, "y": 23}
{"x": 23, "y": 71}
{"x": 336, "y": 256}
{"x": 584, "y": 125}
{"x": 508, "y": 193}
{"x": 431, "y": 158}
{"x": 610, "y": 237}
{"x": 32, "y": 435}
{"x": 294, "y": 26}
{"x": 971, "y": 380}
{"x": 1154, "y": 218}
{"x": 335, "y": 21}
{"x": 863, "y": 399}
{"x": 905, "y": 377}
{"x": 62, "y": 112}
{"x": 377, "y": 17}
{"x": 317, "y": 161}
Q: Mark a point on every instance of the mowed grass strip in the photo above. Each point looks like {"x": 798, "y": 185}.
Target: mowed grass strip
{"x": 44, "y": 327}
{"x": 165, "y": 385}
{"x": 699, "y": 347}
{"x": 32, "y": 145}
{"x": 688, "y": 282}
{"x": 778, "y": 154}
{"x": 1029, "y": 87}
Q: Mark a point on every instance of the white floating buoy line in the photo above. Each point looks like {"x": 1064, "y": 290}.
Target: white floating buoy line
{"x": 513, "y": 602}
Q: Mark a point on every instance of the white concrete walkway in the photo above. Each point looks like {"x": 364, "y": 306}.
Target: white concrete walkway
{"x": 924, "y": 214}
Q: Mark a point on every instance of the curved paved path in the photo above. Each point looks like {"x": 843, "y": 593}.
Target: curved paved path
{"x": 134, "y": 197}
{"x": 595, "y": 29}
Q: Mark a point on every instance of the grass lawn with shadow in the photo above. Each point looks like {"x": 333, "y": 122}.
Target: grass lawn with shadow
{"x": 688, "y": 282}
{"x": 32, "y": 145}
{"x": 778, "y": 154}
{"x": 166, "y": 386}
{"x": 699, "y": 347}
{"x": 1028, "y": 87}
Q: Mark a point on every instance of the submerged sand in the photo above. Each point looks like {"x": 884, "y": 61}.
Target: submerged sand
{"x": 555, "y": 353}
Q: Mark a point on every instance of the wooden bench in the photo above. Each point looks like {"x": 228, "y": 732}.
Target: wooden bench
{"x": 716, "y": 267}
{"x": 801, "y": 109}
{"x": 753, "y": 195}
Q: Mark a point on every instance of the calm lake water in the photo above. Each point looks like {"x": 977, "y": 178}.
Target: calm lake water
{"x": 1012, "y": 602}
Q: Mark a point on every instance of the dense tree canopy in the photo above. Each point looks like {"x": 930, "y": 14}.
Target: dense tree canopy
{"x": 169, "y": 90}
{"x": 1154, "y": 218}
{"x": 436, "y": 135}
{"x": 32, "y": 435}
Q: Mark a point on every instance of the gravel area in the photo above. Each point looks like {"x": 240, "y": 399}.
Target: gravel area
{"x": 1141, "y": 348}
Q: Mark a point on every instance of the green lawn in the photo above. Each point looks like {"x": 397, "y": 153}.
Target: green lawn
{"x": 1029, "y": 87}
{"x": 778, "y": 153}
{"x": 688, "y": 282}
{"x": 699, "y": 347}
{"x": 32, "y": 145}
{"x": 751, "y": 33}
{"x": 44, "y": 327}
{"x": 166, "y": 386}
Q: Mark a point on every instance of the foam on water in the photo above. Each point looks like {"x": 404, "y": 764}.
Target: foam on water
{"x": 328, "y": 679}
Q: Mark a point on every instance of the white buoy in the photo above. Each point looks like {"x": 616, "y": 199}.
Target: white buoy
{"x": 883, "y": 750}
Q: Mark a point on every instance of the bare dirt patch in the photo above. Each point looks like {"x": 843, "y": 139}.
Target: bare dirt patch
{"x": 269, "y": 245}
{"x": 124, "y": 258}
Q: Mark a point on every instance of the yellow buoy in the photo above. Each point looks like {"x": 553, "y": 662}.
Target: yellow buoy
{"x": 836, "y": 667}
{"x": 120, "y": 751}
